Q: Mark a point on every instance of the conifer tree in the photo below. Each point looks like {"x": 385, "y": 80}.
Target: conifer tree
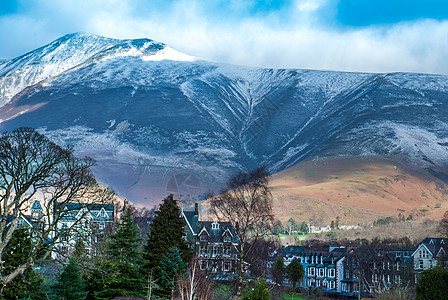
{"x": 171, "y": 267}
{"x": 119, "y": 273}
{"x": 29, "y": 284}
{"x": 166, "y": 231}
{"x": 70, "y": 285}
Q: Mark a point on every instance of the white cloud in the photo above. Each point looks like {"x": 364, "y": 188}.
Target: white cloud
{"x": 265, "y": 41}
{"x": 308, "y": 5}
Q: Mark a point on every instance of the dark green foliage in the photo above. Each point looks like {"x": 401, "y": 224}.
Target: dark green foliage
{"x": 119, "y": 272}
{"x": 124, "y": 245}
{"x": 70, "y": 285}
{"x": 304, "y": 227}
{"x": 433, "y": 284}
{"x": 29, "y": 284}
{"x": 260, "y": 291}
{"x": 171, "y": 267}
{"x": 295, "y": 272}
{"x": 278, "y": 270}
{"x": 167, "y": 231}
{"x": 80, "y": 250}
{"x": 278, "y": 227}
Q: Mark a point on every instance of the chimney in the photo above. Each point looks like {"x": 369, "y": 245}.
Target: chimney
{"x": 196, "y": 209}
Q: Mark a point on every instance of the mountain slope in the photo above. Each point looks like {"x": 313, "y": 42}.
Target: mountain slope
{"x": 358, "y": 190}
{"x": 159, "y": 121}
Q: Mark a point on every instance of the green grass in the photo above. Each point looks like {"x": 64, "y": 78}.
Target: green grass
{"x": 287, "y": 296}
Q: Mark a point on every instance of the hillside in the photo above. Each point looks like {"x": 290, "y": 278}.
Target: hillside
{"x": 158, "y": 121}
{"x": 357, "y": 189}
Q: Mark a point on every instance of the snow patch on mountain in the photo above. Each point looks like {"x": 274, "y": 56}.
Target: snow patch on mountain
{"x": 169, "y": 53}
{"x": 422, "y": 146}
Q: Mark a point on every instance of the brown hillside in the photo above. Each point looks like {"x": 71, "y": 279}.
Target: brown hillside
{"x": 358, "y": 190}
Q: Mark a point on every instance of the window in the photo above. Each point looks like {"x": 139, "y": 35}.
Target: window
{"x": 226, "y": 266}
{"x": 203, "y": 264}
{"x": 321, "y": 272}
{"x": 102, "y": 225}
{"x": 311, "y": 272}
{"x": 215, "y": 225}
{"x": 331, "y": 272}
{"x": 421, "y": 264}
{"x": 227, "y": 250}
{"x": 226, "y": 238}
{"x": 215, "y": 250}
{"x": 203, "y": 238}
{"x": 202, "y": 250}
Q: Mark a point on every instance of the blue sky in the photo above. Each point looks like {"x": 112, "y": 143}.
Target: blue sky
{"x": 347, "y": 35}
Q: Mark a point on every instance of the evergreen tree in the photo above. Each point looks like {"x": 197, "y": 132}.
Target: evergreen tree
{"x": 29, "y": 284}
{"x": 278, "y": 270}
{"x": 119, "y": 272}
{"x": 278, "y": 227}
{"x": 171, "y": 267}
{"x": 70, "y": 285}
{"x": 166, "y": 231}
{"x": 432, "y": 284}
{"x": 260, "y": 291}
{"x": 295, "y": 272}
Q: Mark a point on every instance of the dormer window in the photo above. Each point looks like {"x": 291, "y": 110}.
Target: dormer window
{"x": 203, "y": 238}
{"x": 226, "y": 239}
{"x": 215, "y": 225}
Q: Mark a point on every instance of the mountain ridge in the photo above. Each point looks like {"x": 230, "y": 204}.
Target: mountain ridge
{"x": 179, "y": 124}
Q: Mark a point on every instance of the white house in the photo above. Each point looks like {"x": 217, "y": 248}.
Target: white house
{"x": 428, "y": 252}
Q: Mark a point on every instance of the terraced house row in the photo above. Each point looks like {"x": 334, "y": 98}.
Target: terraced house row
{"x": 364, "y": 270}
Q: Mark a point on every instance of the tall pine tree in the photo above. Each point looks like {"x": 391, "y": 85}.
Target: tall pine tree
{"x": 29, "y": 284}
{"x": 171, "y": 267}
{"x": 119, "y": 274}
{"x": 70, "y": 285}
{"x": 166, "y": 231}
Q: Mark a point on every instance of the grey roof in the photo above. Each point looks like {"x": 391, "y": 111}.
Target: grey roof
{"x": 192, "y": 219}
{"x": 36, "y": 206}
{"x": 217, "y": 235}
{"x": 434, "y": 244}
{"x": 99, "y": 212}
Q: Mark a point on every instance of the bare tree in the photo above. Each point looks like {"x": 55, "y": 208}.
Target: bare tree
{"x": 32, "y": 166}
{"x": 247, "y": 204}
{"x": 195, "y": 284}
{"x": 443, "y": 225}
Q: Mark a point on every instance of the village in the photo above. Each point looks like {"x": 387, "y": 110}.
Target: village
{"x": 330, "y": 270}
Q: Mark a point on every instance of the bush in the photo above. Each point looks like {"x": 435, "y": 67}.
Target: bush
{"x": 260, "y": 291}
{"x": 433, "y": 284}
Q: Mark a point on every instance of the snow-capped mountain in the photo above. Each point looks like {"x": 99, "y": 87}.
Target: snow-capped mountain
{"x": 159, "y": 121}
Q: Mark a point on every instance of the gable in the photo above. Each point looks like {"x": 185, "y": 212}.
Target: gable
{"x": 422, "y": 247}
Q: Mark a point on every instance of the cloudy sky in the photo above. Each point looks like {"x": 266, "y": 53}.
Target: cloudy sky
{"x": 348, "y": 35}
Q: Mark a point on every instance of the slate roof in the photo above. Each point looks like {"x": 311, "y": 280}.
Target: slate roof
{"x": 192, "y": 219}
{"x": 36, "y": 206}
{"x": 206, "y": 227}
{"x": 27, "y": 220}
{"x": 216, "y": 235}
{"x": 434, "y": 245}
{"x": 98, "y": 212}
